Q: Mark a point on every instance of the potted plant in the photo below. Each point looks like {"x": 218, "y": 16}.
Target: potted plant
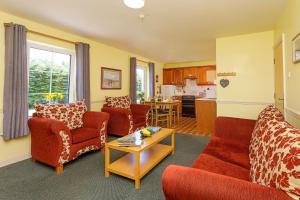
{"x": 141, "y": 96}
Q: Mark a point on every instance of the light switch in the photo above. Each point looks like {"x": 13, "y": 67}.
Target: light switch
{"x": 289, "y": 75}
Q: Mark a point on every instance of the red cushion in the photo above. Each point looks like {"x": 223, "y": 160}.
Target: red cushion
{"x": 215, "y": 165}
{"x": 83, "y": 134}
{"x": 229, "y": 151}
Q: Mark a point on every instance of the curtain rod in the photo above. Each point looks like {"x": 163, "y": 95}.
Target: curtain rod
{"x": 43, "y": 34}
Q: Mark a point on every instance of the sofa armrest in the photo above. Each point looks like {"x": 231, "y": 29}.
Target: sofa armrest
{"x": 139, "y": 109}
{"x": 180, "y": 183}
{"x": 94, "y": 119}
{"x": 49, "y": 137}
{"x": 235, "y": 129}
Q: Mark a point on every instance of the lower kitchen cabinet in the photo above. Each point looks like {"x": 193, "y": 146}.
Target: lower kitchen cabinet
{"x": 206, "y": 114}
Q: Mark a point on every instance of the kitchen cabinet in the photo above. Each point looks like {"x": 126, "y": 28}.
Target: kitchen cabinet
{"x": 173, "y": 76}
{"x": 178, "y": 78}
{"x": 168, "y": 76}
{"x": 190, "y": 72}
{"x": 206, "y": 114}
{"x": 204, "y": 75}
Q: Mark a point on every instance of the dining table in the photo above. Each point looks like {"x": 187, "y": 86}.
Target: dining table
{"x": 170, "y": 105}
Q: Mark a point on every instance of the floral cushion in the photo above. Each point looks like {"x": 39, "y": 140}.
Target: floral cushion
{"x": 118, "y": 102}
{"x": 71, "y": 114}
{"x": 75, "y": 114}
{"x": 277, "y": 162}
{"x": 270, "y": 113}
{"x": 52, "y": 111}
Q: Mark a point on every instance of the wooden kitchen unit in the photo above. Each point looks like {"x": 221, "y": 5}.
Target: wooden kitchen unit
{"x": 206, "y": 114}
{"x": 204, "y": 75}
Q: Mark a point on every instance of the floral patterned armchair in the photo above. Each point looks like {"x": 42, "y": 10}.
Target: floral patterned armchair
{"x": 61, "y": 133}
{"x": 125, "y": 117}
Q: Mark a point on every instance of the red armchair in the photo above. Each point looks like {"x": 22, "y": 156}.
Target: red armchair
{"x": 54, "y": 144}
{"x": 222, "y": 169}
{"x": 125, "y": 121}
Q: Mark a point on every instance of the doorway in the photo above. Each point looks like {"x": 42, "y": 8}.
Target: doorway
{"x": 279, "y": 77}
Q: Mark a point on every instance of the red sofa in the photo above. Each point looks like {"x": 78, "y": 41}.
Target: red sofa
{"x": 124, "y": 121}
{"x": 54, "y": 144}
{"x": 222, "y": 169}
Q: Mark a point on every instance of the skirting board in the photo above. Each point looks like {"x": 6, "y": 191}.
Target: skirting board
{"x": 296, "y": 113}
{"x": 14, "y": 160}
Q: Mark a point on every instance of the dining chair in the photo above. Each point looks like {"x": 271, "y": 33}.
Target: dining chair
{"x": 161, "y": 114}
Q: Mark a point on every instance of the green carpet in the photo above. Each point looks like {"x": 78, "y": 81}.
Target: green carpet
{"x": 84, "y": 178}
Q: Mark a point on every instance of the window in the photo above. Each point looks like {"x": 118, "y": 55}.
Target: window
{"x": 140, "y": 82}
{"x": 49, "y": 75}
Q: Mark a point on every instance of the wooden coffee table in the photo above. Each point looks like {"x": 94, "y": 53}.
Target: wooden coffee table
{"x": 141, "y": 159}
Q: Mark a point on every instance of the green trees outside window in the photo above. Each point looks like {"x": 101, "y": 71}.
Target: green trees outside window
{"x": 48, "y": 77}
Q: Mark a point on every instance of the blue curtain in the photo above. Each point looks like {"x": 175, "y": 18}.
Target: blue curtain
{"x": 15, "y": 100}
{"x": 83, "y": 73}
{"x": 151, "y": 80}
{"x": 133, "y": 79}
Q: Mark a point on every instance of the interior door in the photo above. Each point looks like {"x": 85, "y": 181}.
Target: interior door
{"x": 279, "y": 85}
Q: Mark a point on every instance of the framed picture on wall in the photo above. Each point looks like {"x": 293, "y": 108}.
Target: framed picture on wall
{"x": 296, "y": 49}
{"x": 111, "y": 78}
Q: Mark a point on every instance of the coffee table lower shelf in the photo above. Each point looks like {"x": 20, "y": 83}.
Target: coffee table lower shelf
{"x": 126, "y": 165}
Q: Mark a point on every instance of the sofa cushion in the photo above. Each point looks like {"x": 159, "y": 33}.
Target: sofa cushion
{"x": 269, "y": 115}
{"x": 118, "y": 102}
{"x": 83, "y": 134}
{"x": 228, "y": 151}
{"x": 75, "y": 114}
{"x": 52, "y": 111}
{"x": 71, "y": 114}
{"x": 277, "y": 162}
{"x": 218, "y": 166}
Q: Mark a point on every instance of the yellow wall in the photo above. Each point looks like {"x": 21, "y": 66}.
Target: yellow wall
{"x": 189, "y": 64}
{"x": 251, "y": 57}
{"x": 289, "y": 24}
{"x": 100, "y": 55}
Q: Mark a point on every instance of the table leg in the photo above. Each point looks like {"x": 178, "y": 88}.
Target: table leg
{"x": 170, "y": 115}
{"x": 173, "y": 141}
{"x": 137, "y": 171}
{"x": 178, "y": 113}
{"x": 107, "y": 160}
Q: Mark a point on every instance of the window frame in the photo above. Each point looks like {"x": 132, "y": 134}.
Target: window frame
{"x": 55, "y": 49}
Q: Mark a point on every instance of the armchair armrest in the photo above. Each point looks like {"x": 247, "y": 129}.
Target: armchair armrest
{"x": 235, "y": 129}
{"x": 116, "y": 111}
{"x": 49, "y": 139}
{"x": 184, "y": 183}
{"x": 94, "y": 119}
{"x": 120, "y": 120}
{"x": 139, "y": 109}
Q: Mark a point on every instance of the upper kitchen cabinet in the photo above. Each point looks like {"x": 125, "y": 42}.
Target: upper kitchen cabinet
{"x": 168, "y": 77}
{"x": 173, "y": 76}
{"x": 178, "y": 78}
{"x": 206, "y": 75}
{"x": 190, "y": 72}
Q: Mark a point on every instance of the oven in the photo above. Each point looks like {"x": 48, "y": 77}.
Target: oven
{"x": 188, "y": 106}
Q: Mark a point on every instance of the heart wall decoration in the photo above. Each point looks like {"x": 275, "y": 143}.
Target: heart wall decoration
{"x": 224, "y": 83}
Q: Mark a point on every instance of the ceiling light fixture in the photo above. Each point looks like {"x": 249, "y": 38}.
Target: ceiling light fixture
{"x": 134, "y": 3}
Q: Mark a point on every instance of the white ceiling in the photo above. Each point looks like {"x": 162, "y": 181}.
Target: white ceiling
{"x": 172, "y": 31}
